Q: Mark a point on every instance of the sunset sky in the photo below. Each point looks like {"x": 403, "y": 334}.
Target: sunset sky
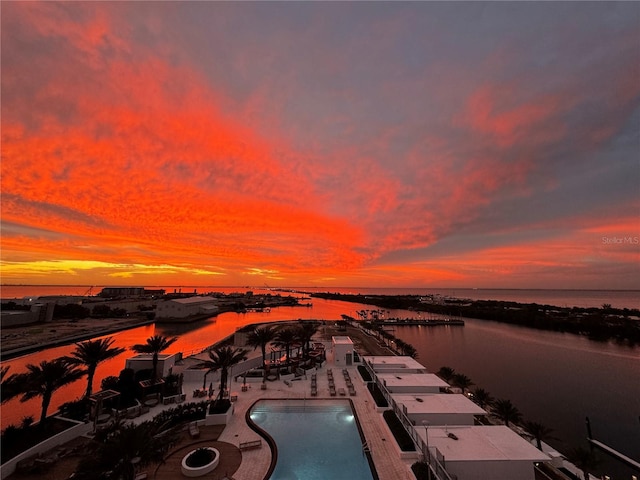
{"x": 390, "y": 144}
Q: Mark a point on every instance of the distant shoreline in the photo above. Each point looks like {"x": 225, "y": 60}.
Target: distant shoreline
{"x": 600, "y": 324}
{"x": 328, "y": 289}
{"x": 12, "y": 353}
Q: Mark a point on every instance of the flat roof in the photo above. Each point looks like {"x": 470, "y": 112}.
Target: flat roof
{"x": 411, "y": 380}
{"x": 149, "y": 356}
{"x": 437, "y": 403}
{"x": 390, "y": 361}
{"x": 189, "y": 300}
{"x": 342, "y": 339}
{"x": 481, "y": 443}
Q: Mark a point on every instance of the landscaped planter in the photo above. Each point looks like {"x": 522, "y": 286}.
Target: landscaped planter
{"x": 219, "y": 418}
{"x": 199, "y": 471}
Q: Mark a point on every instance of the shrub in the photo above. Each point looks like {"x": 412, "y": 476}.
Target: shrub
{"x": 187, "y": 412}
{"x": 76, "y": 409}
{"x": 364, "y": 373}
{"x": 421, "y": 470}
{"x": 397, "y": 429}
{"x": 219, "y": 407}
{"x": 109, "y": 383}
{"x": 200, "y": 458}
{"x": 377, "y": 395}
{"x": 17, "y": 439}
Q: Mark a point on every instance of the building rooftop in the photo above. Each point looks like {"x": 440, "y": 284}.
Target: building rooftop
{"x": 149, "y": 356}
{"x": 382, "y": 362}
{"x": 342, "y": 340}
{"x": 394, "y": 380}
{"x": 481, "y": 443}
{"x": 194, "y": 300}
{"x": 438, "y": 403}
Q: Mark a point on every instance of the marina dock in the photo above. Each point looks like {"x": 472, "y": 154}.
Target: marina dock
{"x": 614, "y": 453}
{"x": 420, "y": 321}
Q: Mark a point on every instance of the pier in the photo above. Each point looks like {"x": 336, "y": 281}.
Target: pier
{"x": 419, "y": 321}
{"x": 614, "y": 453}
{"x": 607, "y": 449}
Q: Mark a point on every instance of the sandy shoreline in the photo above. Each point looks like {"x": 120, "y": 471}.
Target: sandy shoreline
{"x": 18, "y": 341}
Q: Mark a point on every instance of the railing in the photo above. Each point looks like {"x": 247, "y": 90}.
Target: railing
{"x": 365, "y": 448}
{"x": 430, "y": 455}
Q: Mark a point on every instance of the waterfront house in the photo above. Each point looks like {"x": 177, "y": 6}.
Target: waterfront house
{"x": 492, "y": 452}
{"x": 412, "y": 382}
{"x": 391, "y": 364}
{"x": 438, "y": 409}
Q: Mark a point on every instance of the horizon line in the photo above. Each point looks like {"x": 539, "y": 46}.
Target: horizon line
{"x": 314, "y": 287}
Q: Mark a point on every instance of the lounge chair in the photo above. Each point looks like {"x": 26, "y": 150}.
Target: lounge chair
{"x": 250, "y": 445}
{"x": 194, "y": 431}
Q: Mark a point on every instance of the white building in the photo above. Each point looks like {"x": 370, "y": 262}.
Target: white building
{"x": 182, "y": 308}
{"x": 144, "y": 361}
{"x": 438, "y": 409}
{"x": 342, "y": 350}
{"x": 391, "y": 364}
{"x": 412, "y": 382}
{"x": 482, "y": 452}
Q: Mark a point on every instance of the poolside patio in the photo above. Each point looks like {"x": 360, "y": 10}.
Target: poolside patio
{"x": 255, "y": 462}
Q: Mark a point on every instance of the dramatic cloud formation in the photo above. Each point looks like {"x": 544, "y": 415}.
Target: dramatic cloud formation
{"x": 321, "y": 144}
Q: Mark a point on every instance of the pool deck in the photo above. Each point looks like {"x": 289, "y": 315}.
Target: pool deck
{"x": 255, "y": 462}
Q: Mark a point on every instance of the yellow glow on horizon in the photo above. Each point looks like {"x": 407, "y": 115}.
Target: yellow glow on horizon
{"x": 75, "y": 267}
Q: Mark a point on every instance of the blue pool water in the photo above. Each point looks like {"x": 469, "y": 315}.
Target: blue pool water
{"x": 316, "y": 439}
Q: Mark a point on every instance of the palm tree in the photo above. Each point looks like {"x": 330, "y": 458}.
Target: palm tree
{"x": 261, "y": 337}
{"x": 284, "y": 339}
{"x": 126, "y": 447}
{"x": 304, "y": 333}
{"x": 506, "y": 411}
{"x": 11, "y": 386}
{"x": 90, "y": 354}
{"x": 410, "y": 350}
{"x": 585, "y": 460}
{"x": 446, "y": 373}
{"x": 462, "y": 381}
{"x": 44, "y": 379}
{"x": 482, "y": 397}
{"x": 223, "y": 358}
{"x": 154, "y": 345}
{"x": 539, "y": 432}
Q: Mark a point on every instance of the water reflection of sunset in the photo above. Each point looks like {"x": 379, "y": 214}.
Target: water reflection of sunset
{"x": 192, "y": 337}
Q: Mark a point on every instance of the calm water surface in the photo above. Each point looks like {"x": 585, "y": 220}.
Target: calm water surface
{"x": 553, "y": 378}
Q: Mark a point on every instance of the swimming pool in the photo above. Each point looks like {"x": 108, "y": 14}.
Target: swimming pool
{"x": 316, "y": 439}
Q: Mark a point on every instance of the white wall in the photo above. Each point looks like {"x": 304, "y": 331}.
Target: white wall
{"x": 413, "y": 389}
{"x": 491, "y": 470}
{"x": 164, "y": 365}
{"x": 60, "y": 439}
{"x": 442, "y": 418}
